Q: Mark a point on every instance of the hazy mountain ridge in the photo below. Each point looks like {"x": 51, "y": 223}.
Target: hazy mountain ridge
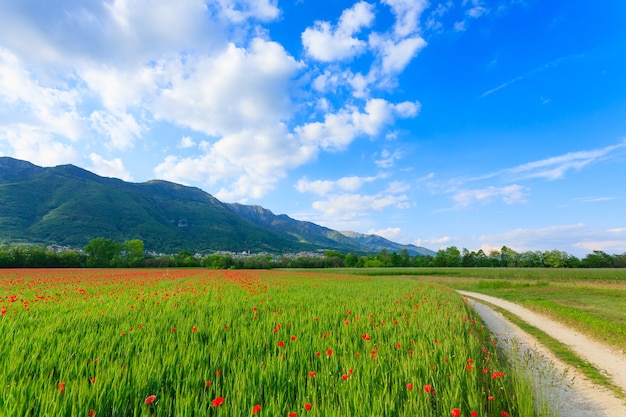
{"x": 68, "y": 205}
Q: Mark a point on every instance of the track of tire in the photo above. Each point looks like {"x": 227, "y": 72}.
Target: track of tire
{"x": 582, "y": 398}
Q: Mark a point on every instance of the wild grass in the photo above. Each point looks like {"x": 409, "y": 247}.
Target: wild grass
{"x": 204, "y": 343}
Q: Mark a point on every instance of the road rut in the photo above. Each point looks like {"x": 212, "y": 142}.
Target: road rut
{"x": 582, "y": 398}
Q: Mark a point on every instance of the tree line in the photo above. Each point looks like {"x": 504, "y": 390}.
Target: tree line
{"x": 105, "y": 253}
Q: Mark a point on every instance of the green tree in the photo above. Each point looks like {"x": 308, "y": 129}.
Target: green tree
{"x": 134, "y": 252}
{"x": 351, "y": 260}
{"x": 101, "y": 252}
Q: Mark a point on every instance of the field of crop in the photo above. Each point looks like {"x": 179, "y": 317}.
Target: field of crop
{"x": 592, "y": 301}
{"x": 237, "y": 343}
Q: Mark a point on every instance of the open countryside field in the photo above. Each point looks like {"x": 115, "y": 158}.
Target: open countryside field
{"x": 275, "y": 343}
{"x": 592, "y": 301}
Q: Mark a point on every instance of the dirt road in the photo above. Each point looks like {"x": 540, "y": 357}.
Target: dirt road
{"x": 582, "y": 398}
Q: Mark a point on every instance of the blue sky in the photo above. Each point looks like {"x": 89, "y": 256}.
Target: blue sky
{"x": 473, "y": 123}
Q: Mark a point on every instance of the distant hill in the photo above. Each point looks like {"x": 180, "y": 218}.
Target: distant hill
{"x": 67, "y": 205}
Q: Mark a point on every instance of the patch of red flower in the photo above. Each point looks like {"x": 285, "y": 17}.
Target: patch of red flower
{"x": 428, "y": 388}
{"x": 150, "y": 399}
{"x": 217, "y": 402}
{"x": 311, "y": 374}
{"x": 281, "y": 344}
{"x": 504, "y": 414}
{"x": 455, "y": 412}
{"x": 329, "y": 352}
{"x": 497, "y": 375}
{"x": 91, "y": 413}
{"x": 256, "y": 409}
{"x": 473, "y": 413}
{"x": 307, "y": 406}
{"x": 409, "y": 386}
{"x": 61, "y": 387}
{"x": 207, "y": 384}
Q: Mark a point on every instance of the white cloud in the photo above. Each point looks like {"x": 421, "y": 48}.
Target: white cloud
{"x": 609, "y": 246}
{"x": 37, "y": 145}
{"x": 323, "y": 187}
{"x": 396, "y": 187}
{"x": 49, "y": 108}
{"x": 388, "y": 159}
{"x": 556, "y": 167}
{"x": 340, "y": 129}
{"x": 477, "y": 9}
{"x": 325, "y": 43}
{"x": 122, "y": 129}
{"x": 186, "y": 142}
{"x": 436, "y": 242}
{"x": 407, "y": 14}
{"x": 396, "y": 55}
{"x": 237, "y": 88}
{"x": 240, "y": 10}
{"x": 109, "y": 168}
{"x": 577, "y": 239}
{"x": 348, "y": 206}
{"x": 389, "y": 233}
{"x": 511, "y": 194}
{"x": 247, "y": 163}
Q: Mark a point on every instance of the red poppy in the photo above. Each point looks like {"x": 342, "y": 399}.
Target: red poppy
{"x": 311, "y": 374}
{"x": 307, "y": 406}
{"x": 91, "y": 413}
{"x": 256, "y": 409}
{"x": 398, "y": 345}
{"x": 281, "y": 344}
{"x": 497, "y": 374}
{"x": 329, "y": 352}
{"x": 473, "y": 413}
{"x": 428, "y": 388}
{"x": 93, "y": 380}
{"x": 194, "y": 329}
{"x": 292, "y": 414}
{"x": 469, "y": 367}
{"x": 150, "y": 399}
{"x": 61, "y": 387}
{"x": 455, "y": 412}
{"x": 173, "y": 329}
{"x": 504, "y": 414}
{"x": 490, "y": 398}
{"x": 409, "y": 386}
{"x": 217, "y": 402}
{"x": 317, "y": 353}
{"x": 293, "y": 338}
{"x": 208, "y": 384}
{"x": 344, "y": 377}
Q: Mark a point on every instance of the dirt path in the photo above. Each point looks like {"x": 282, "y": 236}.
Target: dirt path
{"x": 582, "y": 398}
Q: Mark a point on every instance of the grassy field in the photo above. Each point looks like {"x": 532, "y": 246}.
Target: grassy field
{"x": 592, "y": 301}
{"x": 236, "y": 343}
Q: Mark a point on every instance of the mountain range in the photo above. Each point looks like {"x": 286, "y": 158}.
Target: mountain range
{"x": 68, "y": 206}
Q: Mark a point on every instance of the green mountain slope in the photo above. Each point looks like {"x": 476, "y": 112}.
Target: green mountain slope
{"x": 67, "y": 205}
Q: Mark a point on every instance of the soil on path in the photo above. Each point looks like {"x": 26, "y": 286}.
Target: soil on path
{"x": 580, "y": 397}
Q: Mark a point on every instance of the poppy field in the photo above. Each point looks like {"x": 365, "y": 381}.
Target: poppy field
{"x": 97, "y": 342}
